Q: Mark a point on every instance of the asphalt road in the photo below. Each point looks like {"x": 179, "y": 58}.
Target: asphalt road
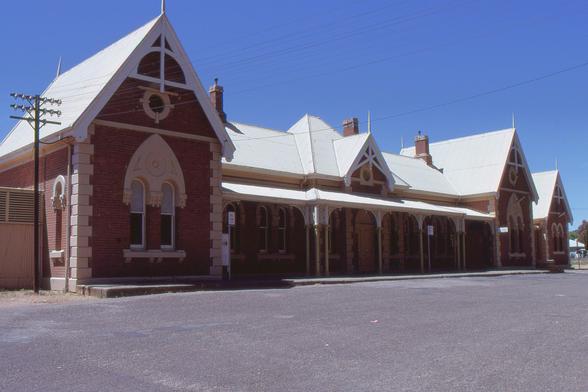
{"x": 516, "y": 333}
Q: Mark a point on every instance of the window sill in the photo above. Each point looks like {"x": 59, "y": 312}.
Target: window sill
{"x": 56, "y": 254}
{"x": 154, "y": 256}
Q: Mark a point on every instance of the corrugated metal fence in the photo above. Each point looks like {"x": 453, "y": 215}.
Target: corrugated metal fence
{"x": 16, "y": 238}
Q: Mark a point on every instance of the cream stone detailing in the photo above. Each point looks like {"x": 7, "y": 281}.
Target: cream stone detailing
{"x": 58, "y": 200}
{"x": 155, "y": 163}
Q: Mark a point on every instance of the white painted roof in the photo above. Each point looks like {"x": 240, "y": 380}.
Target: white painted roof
{"x": 306, "y": 148}
{"x": 545, "y": 182}
{"x": 473, "y": 164}
{"x": 87, "y": 87}
{"x": 309, "y": 147}
{"x": 263, "y": 193}
{"x": 78, "y": 87}
{"x": 346, "y": 150}
{"x": 263, "y": 148}
{"x": 420, "y": 176}
{"x": 314, "y": 139}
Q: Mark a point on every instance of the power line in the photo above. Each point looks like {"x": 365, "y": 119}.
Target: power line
{"x": 419, "y": 110}
{"x": 35, "y": 112}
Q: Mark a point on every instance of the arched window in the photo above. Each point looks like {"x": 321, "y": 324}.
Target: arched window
{"x": 563, "y": 237}
{"x": 282, "y": 229}
{"x": 168, "y": 217}
{"x": 516, "y": 225}
{"x": 137, "y": 215}
{"x": 512, "y": 230}
{"x": 521, "y": 233}
{"x": 554, "y": 238}
{"x": 262, "y": 228}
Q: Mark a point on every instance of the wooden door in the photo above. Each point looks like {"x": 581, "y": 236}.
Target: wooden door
{"x": 366, "y": 250}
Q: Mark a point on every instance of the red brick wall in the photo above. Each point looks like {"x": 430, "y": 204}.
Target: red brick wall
{"x": 248, "y": 259}
{"x": 558, "y": 215}
{"x": 187, "y": 116}
{"x": 113, "y": 149}
{"x": 506, "y": 190}
{"x": 478, "y": 205}
{"x": 50, "y": 167}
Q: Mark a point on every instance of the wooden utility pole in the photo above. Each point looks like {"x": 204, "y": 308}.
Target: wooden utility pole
{"x": 36, "y": 118}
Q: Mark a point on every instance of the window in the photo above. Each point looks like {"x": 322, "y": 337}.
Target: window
{"x": 156, "y": 105}
{"x": 521, "y": 233}
{"x": 262, "y": 228}
{"x": 137, "y": 215}
{"x": 512, "y": 233}
{"x": 167, "y": 217}
{"x": 282, "y": 230}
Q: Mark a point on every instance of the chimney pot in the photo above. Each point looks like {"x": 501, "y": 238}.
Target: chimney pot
{"x": 216, "y": 97}
{"x": 351, "y": 127}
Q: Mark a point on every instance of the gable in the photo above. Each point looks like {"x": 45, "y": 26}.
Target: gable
{"x": 516, "y": 174}
{"x": 353, "y": 154}
{"x": 552, "y": 195}
{"x": 88, "y": 87}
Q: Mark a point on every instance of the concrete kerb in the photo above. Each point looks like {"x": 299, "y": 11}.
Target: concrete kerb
{"x": 146, "y": 287}
{"x": 382, "y": 278}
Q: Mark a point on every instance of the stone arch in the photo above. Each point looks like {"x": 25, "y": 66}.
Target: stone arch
{"x": 154, "y": 163}
{"x": 58, "y": 199}
{"x": 516, "y": 223}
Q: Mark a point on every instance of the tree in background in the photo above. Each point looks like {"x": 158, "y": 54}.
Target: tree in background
{"x": 573, "y": 235}
{"x": 583, "y": 232}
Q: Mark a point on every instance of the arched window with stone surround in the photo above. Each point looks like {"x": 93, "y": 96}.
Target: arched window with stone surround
{"x": 283, "y": 229}
{"x": 58, "y": 201}
{"x": 154, "y": 177}
{"x": 554, "y": 238}
{"x": 516, "y": 225}
{"x": 137, "y": 215}
{"x": 512, "y": 231}
{"x": 262, "y": 229}
{"x": 168, "y": 217}
{"x": 521, "y": 234}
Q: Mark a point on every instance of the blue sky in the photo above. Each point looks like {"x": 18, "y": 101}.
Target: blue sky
{"x": 341, "y": 58}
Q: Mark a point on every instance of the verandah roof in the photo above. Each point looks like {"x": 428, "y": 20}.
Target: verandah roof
{"x": 340, "y": 199}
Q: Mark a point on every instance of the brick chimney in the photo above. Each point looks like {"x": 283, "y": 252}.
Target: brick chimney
{"x": 350, "y": 127}
{"x": 216, "y": 97}
{"x": 421, "y": 148}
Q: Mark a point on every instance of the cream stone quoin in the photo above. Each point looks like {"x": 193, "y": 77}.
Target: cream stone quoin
{"x": 154, "y": 163}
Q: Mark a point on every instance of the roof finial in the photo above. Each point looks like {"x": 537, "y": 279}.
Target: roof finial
{"x": 58, "y": 68}
{"x": 556, "y": 164}
{"x": 369, "y": 124}
{"x": 513, "y": 121}
{"x": 401, "y": 142}
{"x": 163, "y": 6}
